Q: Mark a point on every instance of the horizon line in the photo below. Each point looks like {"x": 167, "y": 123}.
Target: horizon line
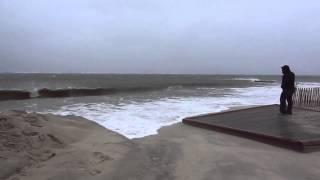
{"x": 236, "y": 74}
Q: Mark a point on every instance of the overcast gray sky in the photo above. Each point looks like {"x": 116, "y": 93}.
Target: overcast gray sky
{"x": 160, "y": 36}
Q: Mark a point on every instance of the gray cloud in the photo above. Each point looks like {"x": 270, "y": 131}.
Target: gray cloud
{"x": 190, "y": 36}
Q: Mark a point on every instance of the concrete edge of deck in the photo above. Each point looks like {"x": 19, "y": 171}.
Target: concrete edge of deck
{"x": 297, "y": 145}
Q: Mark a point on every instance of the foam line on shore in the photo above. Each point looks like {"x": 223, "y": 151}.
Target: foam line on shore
{"x": 139, "y": 119}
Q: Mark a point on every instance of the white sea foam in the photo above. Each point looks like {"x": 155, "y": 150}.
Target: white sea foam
{"x": 139, "y": 119}
{"x": 308, "y": 84}
{"x": 247, "y": 79}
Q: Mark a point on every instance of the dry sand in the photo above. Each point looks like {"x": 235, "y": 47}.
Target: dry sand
{"x": 40, "y": 147}
{"x": 47, "y": 147}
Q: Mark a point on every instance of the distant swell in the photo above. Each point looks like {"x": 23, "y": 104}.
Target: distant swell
{"x": 43, "y": 93}
{"x": 14, "y": 95}
{"x": 265, "y": 81}
{"x": 74, "y": 92}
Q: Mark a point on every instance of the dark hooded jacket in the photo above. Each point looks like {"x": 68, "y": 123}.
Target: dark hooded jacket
{"x": 288, "y": 79}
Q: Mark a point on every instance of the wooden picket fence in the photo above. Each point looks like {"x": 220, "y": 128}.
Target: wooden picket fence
{"x": 308, "y": 98}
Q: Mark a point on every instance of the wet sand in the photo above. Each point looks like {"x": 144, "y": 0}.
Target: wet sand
{"x": 48, "y": 147}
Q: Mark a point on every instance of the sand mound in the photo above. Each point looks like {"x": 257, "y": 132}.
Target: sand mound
{"x": 24, "y": 142}
{"x": 42, "y": 146}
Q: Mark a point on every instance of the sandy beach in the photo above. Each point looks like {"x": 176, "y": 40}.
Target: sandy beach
{"x": 137, "y": 90}
{"x": 49, "y": 147}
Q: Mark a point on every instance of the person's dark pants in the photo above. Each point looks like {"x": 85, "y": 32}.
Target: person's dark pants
{"x": 286, "y": 96}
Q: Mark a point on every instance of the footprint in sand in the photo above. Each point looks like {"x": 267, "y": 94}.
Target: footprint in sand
{"x": 95, "y": 172}
{"x": 33, "y": 121}
{"x": 100, "y": 157}
{"x": 29, "y": 133}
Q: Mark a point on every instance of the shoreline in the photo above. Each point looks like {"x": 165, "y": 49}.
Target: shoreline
{"x": 174, "y": 123}
{"x": 70, "y": 147}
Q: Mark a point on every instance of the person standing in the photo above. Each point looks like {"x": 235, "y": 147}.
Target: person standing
{"x": 288, "y": 88}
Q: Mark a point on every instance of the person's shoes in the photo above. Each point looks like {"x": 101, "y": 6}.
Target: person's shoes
{"x": 283, "y": 112}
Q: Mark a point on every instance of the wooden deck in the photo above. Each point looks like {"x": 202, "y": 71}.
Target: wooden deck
{"x": 300, "y": 131}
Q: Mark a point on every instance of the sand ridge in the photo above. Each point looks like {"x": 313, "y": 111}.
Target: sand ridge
{"x": 35, "y": 146}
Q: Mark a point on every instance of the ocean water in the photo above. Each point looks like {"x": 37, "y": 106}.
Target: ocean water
{"x": 138, "y": 114}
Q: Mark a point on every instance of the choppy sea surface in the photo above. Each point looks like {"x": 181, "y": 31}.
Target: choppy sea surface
{"x": 141, "y": 113}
